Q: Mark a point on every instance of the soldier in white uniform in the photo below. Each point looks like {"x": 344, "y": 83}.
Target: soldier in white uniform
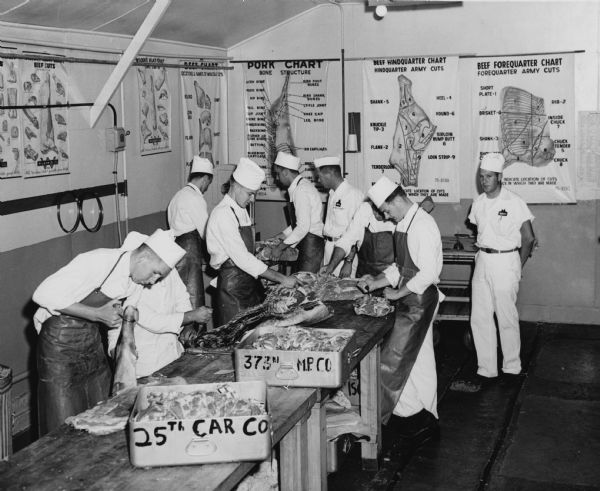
{"x": 344, "y": 199}
{"x": 505, "y": 240}
{"x": 230, "y": 242}
{"x": 188, "y": 214}
{"x": 306, "y": 230}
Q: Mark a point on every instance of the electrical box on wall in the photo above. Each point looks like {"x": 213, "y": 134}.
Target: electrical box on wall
{"x": 115, "y": 139}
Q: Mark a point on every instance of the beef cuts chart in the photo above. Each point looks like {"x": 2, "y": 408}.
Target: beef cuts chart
{"x": 202, "y": 84}
{"x": 286, "y": 111}
{"x": 33, "y": 141}
{"x": 411, "y": 124}
{"x": 155, "y": 107}
{"x": 524, "y": 109}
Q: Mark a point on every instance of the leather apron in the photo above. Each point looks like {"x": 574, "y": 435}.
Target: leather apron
{"x": 236, "y": 289}
{"x": 190, "y": 267}
{"x": 376, "y": 253}
{"x": 311, "y": 248}
{"x": 413, "y": 316}
{"x": 74, "y": 373}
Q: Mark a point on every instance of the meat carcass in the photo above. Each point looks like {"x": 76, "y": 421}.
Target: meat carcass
{"x": 126, "y": 357}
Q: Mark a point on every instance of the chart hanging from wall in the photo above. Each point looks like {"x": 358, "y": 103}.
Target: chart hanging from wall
{"x": 286, "y": 110}
{"x": 34, "y": 141}
{"x": 201, "y": 88}
{"x": 524, "y": 109}
{"x": 154, "y": 107}
{"x": 411, "y": 124}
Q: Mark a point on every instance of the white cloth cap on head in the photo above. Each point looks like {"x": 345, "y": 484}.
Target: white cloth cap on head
{"x": 287, "y": 160}
{"x": 162, "y": 242}
{"x": 381, "y": 190}
{"x": 323, "y": 161}
{"x": 493, "y": 162}
{"x": 249, "y": 174}
{"x": 200, "y": 164}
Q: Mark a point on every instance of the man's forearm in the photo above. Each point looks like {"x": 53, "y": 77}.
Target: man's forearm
{"x": 336, "y": 258}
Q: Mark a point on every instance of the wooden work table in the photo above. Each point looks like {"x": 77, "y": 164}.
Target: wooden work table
{"x": 71, "y": 459}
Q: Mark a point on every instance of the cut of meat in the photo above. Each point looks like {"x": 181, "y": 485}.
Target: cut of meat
{"x": 373, "y": 306}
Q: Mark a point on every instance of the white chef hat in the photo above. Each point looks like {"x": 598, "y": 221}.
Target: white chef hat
{"x": 162, "y": 242}
{"x": 381, "y": 190}
{"x": 493, "y": 162}
{"x": 249, "y": 174}
{"x": 287, "y": 160}
{"x": 200, "y": 164}
{"x": 323, "y": 161}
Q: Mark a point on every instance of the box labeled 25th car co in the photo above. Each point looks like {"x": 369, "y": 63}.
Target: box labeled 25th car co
{"x": 297, "y": 365}
{"x": 172, "y": 425}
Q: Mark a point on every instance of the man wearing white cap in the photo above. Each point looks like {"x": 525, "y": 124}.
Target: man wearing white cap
{"x": 306, "y": 230}
{"x": 344, "y": 199}
{"x": 230, "y": 242}
{"x": 188, "y": 214}
{"x": 505, "y": 240}
{"x": 409, "y": 379}
{"x": 74, "y": 302}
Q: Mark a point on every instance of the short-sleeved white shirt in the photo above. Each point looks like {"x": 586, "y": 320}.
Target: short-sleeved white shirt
{"x": 499, "y": 220}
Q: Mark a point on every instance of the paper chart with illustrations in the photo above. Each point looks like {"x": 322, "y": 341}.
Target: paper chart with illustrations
{"x": 201, "y": 87}
{"x": 286, "y": 110}
{"x": 34, "y": 141}
{"x": 524, "y": 109}
{"x": 411, "y": 124}
{"x": 155, "y": 107}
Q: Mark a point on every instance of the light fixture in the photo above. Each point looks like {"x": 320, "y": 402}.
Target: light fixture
{"x": 380, "y": 11}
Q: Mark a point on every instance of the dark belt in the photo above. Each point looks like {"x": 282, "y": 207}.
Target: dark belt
{"x": 496, "y": 251}
{"x": 330, "y": 239}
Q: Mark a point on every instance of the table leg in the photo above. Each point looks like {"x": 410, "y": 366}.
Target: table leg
{"x": 317, "y": 448}
{"x": 370, "y": 407}
{"x": 294, "y": 458}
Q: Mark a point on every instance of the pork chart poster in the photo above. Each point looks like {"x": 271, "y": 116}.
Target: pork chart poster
{"x": 411, "y": 124}
{"x": 34, "y": 142}
{"x": 524, "y": 108}
{"x": 286, "y": 110}
{"x": 201, "y": 87}
{"x": 155, "y": 107}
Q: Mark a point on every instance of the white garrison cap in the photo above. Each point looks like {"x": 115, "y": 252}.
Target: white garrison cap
{"x": 249, "y": 174}
{"x": 287, "y": 160}
{"x": 162, "y": 242}
{"x": 381, "y": 190}
{"x": 203, "y": 165}
{"x": 323, "y": 161}
{"x": 493, "y": 162}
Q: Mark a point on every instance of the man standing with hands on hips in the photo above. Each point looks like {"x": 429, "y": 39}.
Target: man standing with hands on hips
{"x": 344, "y": 199}
{"x": 306, "y": 229}
{"x": 505, "y": 240}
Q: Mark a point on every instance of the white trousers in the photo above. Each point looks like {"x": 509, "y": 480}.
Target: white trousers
{"x": 420, "y": 391}
{"x": 494, "y": 290}
{"x": 329, "y": 247}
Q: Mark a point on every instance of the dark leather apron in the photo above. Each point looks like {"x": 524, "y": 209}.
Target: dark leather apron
{"x": 236, "y": 289}
{"x": 311, "y": 248}
{"x": 376, "y": 253}
{"x": 413, "y": 315}
{"x": 190, "y": 267}
{"x": 74, "y": 373}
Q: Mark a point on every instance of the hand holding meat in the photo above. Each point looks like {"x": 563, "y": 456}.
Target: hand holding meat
{"x": 289, "y": 282}
{"x": 110, "y": 314}
{"x": 392, "y": 293}
{"x": 201, "y": 315}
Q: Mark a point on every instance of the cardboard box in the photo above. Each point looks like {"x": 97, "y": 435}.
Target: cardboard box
{"x": 202, "y": 440}
{"x": 294, "y": 368}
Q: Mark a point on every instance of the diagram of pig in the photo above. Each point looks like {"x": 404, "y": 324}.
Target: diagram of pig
{"x": 524, "y": 133}
{"x": 413, "y": 133}
{"x": 278, "y": 129}
{"x": 205, "y": 134}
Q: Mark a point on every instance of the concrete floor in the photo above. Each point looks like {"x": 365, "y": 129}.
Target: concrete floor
{"x": 540, "y": 432}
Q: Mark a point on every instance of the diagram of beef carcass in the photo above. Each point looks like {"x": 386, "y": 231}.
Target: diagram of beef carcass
{"x": 278, "y": 128}
{"x": 154, "y": 108}
{"x": 414, "y": 131}
{"x": 205, "y": 130}
{"x": 524, "y": 132}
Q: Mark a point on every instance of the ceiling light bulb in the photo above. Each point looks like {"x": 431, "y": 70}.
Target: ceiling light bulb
{"x": 381, "y": 10}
